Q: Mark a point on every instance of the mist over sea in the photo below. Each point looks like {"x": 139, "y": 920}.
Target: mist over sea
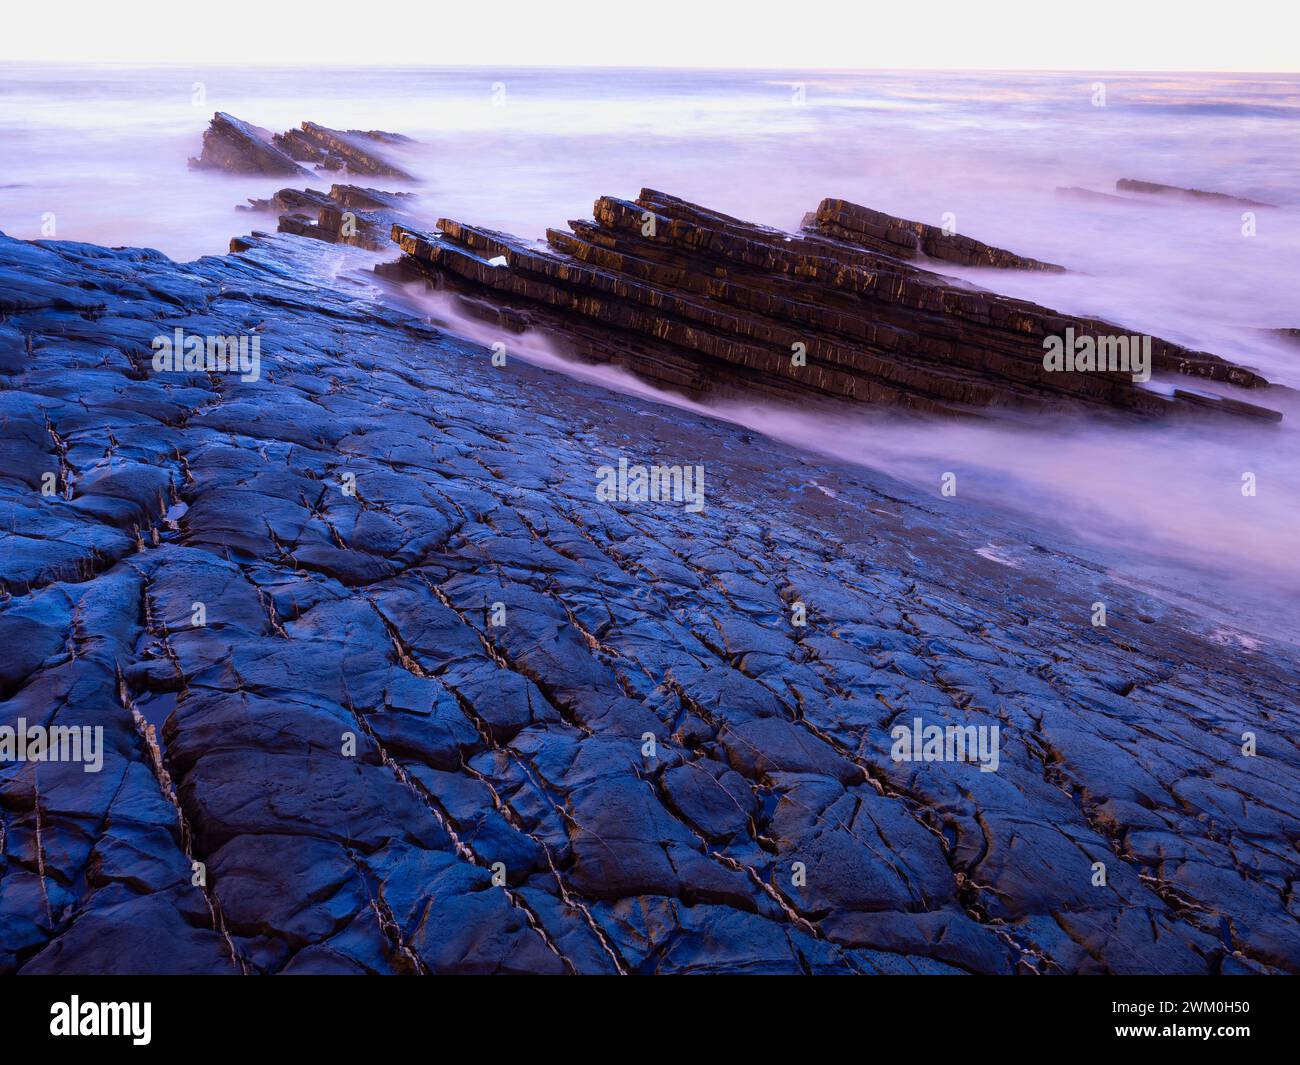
{"x": 105, "y": 149}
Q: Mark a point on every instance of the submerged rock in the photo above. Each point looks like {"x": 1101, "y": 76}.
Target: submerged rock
{"x": 1154, "y": 188}
{"x": 1109, "y": 199}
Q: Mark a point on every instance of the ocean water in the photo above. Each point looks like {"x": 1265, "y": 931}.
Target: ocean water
{"x": 103, "y": 152}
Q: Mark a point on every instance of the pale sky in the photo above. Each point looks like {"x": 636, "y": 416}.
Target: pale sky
{"x": 1082, "y": 35}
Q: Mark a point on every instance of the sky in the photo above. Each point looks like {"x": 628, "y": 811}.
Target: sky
{"x": 1077, "y": 35}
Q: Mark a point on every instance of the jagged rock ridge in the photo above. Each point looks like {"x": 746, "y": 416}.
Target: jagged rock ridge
{"x": 347, "y": 214}
{"x": 357, "y": 151}
{"x": 904, "y": 239}
{"x": 239, "y": 147}
{"x": 1155, "y": 188}
{"x": 700, "y": 301}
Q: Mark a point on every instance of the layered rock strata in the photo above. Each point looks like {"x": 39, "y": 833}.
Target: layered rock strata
{"x": 354, "y": 150}
{"x": 347, "y": 214}
{"x": 1154, "y": 188}
{"x": 239, "y": 147}
{"x": 703, "y": 302}
{"x": 904, "y": 239}
{"x": 235, "y": 146}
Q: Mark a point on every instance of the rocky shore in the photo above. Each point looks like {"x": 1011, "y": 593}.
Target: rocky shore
{"x": 387, "y": 686}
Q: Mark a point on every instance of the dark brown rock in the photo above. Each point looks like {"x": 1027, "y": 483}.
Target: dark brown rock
{"x": 242, "y": 148}
{"x": 911, "y": 240}
{"x": 706, "y": 303}
{"x": 1154, "y": 188}
{"x": 354, "y": 150}
{"x": 301, "y": 201}
{"x": 348, "y": 215}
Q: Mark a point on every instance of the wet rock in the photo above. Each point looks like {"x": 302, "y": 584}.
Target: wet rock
{"x": 298, "y": 202}
{"x": 709, "y": 305}
{"x": 241, "y": 148}
{"x": 385, "y": 688}
{"x": 355, "y": 151}
{"x": 903, "y": 239}
{"x": 1154, "y": 188}
{"x": 1092, "y": 196}
{"x": 350, "y": 214}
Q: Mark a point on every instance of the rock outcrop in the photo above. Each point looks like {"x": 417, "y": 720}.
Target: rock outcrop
{"x": 385, "y": 686}
{"x": 904, "y": 239}
{"x": 354, "y": 150}
{"x": 1154, "y": 188}
{"x": 347, "y": 214}
{"x": 240, "y": 147}
{"x": 706, "y": 303}
{"x": 1108, "y": 199}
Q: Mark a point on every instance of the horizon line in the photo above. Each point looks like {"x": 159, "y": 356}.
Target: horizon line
{"x": 282, "y": 64}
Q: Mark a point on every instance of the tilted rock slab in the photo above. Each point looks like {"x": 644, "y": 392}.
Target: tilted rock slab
{"x": 703, "y": 302}
{"x": 347, "y": 214}
{"x": 358, "y": 151}
{"x": 240, "y": 147}
{"x": 911, "y": 240}
{"x": 1155, "y": 188}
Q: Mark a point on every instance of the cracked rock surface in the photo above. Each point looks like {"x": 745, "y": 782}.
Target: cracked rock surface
{"x": 370, "y": 655}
